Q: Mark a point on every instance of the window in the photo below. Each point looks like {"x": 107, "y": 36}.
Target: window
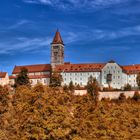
{"x": 118, "y": 77}
{"x": 55, "y": 47}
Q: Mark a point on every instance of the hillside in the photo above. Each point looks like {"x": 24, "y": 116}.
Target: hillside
{"x": 43, "y": 113}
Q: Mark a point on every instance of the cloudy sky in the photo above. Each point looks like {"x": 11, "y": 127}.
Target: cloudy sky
{"x": 92, "y": 30}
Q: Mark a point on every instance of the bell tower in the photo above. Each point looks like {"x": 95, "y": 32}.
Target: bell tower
{"x": 57, "y": 50}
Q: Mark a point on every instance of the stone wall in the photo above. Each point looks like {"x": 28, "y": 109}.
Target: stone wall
{"x": 110, "y": 95}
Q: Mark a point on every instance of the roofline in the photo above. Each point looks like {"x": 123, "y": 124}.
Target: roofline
{"x": 29, "y": 65}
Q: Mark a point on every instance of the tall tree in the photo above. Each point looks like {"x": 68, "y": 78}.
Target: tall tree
{"x": 56, "y": 79}
{"x": 138, "y": 80}
{"x": 71, "y": 87}
{"x": 93, "y": 88}
{"x": 22, "y": 78}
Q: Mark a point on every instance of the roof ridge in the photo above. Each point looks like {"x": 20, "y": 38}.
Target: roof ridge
{"x": 31, "y": 65}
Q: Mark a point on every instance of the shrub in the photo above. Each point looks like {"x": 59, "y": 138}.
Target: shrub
{"x": 127, "y": 87}
{"x": 136, "y": 96}
{"x": 122, "y": 97}
{"x": 65, "y": 88}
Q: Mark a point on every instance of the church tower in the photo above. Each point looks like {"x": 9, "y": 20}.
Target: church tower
{"x": 57, "y": 50}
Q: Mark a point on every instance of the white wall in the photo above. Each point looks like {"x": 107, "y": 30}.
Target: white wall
{"x": 5, "y": 80}
{"x": 107, "y": 95}
{"x": 131, "y": 79}
{"x": 80, "y": 78}
{"x": 44, "y": 81}
{"x": 117, "y": 75}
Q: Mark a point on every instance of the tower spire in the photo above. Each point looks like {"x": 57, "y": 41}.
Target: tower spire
{"x": 57, "y": 50}
{"x": 57, "y": 38}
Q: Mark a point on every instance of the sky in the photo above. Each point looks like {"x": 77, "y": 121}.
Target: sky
{"x": 92, "y": 30}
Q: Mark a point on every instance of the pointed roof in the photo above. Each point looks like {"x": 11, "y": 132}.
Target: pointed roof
{"x": 57, "y": 38}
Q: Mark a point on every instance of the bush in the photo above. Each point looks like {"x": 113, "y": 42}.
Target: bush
{"x": 122, "y": 97}
{"x": 136, "y": 96}
{"x": 127, "y": 87}
{"x": 65, "y": 88}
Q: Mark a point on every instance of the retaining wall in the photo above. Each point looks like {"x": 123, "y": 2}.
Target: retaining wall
{"x": 110, "y": 95}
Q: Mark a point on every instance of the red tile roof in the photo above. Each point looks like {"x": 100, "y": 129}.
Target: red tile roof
{"x": 33, "y": 76}
{"x": 132, "y": 69}
{"x": 80, "y": 67}
{"x": 57, "y": 39}
{"x": 33, "y": 68}
{"x": 3, "y": 74}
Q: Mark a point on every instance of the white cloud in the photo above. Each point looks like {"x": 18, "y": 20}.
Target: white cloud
{"x": 88, "y": 4}
{"x": 101, "y": 35}
{"x": 18, "y": 24}
{"x": 23, "y": 44}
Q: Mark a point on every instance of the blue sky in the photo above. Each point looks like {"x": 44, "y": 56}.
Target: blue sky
{"x": 92, "y": 30}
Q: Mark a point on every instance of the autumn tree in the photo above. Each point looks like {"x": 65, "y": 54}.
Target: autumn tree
{"x": 22, "y": 78}
{"x": 93, "y": 88}
{"x": 71, "y": 86}
{"x": 56, "y": 79}
{"x": 65, "y": 88}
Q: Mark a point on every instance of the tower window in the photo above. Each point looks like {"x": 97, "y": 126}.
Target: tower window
{"x": 55, "y": 47}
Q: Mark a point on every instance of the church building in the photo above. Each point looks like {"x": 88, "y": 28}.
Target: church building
{"x": 107, "y": 74}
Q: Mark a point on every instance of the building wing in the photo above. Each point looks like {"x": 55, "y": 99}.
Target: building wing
{"x": 33, "y": 68}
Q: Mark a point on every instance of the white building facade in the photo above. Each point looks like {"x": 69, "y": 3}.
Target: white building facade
{"x": 4, "y": 78}
{"x": 108, "y": 74}
{"x": 37, "y": 74}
